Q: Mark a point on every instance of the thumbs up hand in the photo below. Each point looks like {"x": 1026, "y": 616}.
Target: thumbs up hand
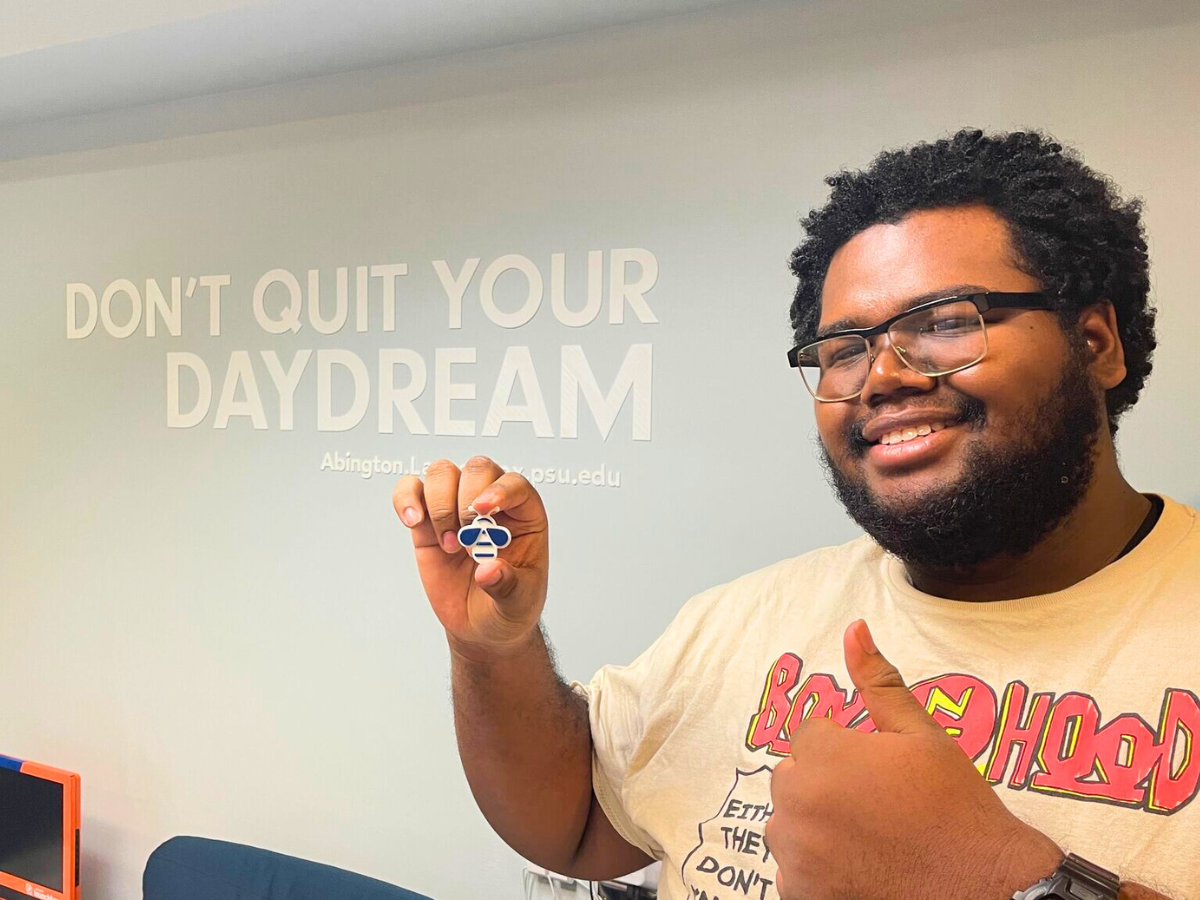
{"x": 900, "y": 813}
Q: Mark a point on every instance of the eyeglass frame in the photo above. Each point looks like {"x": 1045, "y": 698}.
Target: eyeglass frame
{"x": 984, "y": 301}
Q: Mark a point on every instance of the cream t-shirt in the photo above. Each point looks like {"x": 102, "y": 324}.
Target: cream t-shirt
{"x": 1080, "y": 707}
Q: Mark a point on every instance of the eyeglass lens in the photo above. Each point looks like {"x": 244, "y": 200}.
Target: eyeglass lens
{"x": 932, "y": 341}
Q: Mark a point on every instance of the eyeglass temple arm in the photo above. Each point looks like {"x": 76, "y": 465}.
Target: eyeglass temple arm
{"x": 1013, "y": 300}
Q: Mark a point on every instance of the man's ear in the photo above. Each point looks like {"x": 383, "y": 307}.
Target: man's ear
{"x": 1098, "y": 326}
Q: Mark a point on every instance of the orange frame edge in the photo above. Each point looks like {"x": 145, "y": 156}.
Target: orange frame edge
{"x": 71, "y": 822}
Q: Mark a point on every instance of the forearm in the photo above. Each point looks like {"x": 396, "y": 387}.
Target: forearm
{"x": 525, "y": 744}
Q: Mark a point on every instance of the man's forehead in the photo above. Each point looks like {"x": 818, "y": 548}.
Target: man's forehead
{"x": 891, "y": 267}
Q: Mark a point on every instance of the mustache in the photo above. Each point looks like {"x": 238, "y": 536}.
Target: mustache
{"x": 968, "y": 411}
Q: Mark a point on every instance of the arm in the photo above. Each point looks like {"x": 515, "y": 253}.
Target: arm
{"x": 523, "y": 735}
{"x": 526, "y": 747}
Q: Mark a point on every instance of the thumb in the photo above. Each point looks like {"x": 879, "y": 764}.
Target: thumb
{"x": 880, "y": 684}
{"x": 497, "y": 578}
{"x": 510, "y": 587}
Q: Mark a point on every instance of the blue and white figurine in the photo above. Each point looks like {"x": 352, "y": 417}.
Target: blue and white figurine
{"x": 483, "y": 538}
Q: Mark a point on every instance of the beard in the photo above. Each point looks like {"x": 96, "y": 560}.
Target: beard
{"x": 1006, "y": 500}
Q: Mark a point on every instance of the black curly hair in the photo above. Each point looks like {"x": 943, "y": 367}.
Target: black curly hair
{"x": 1071, "y": 229}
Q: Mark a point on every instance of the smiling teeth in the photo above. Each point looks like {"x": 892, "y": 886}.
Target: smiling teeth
{"x": 900, "y": 435}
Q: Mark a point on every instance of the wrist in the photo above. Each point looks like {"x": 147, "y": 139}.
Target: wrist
{"x": 477, "y": 654}
{"x": 1021, "y": 862}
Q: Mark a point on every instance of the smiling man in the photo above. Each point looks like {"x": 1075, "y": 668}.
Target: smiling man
{"x": 971, "y": 320}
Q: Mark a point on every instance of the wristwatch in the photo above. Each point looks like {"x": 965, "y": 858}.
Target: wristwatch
{"x": 1074, "y": 879}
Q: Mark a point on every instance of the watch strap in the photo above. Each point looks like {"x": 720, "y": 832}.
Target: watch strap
{"x": 1101, "y": 882}
{"x": 1074, "y": 879}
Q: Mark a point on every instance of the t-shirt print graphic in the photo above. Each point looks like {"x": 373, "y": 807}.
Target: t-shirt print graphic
{"x": 1054, "y": 745}
{"x": 731, "y": 859}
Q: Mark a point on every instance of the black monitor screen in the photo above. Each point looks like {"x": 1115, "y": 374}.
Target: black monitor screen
{"x": 31, "y": 828}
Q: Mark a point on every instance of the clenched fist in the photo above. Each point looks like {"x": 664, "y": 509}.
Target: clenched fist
{"x": 490, "y": 608}
{"x": 894, "y": 815}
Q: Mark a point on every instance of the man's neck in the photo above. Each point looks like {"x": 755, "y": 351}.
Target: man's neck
{"x": 1090, "y": 538}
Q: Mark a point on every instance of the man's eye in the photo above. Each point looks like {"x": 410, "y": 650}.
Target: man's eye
{"x": 950, "y": 325}
{"x": 844, "y": 355}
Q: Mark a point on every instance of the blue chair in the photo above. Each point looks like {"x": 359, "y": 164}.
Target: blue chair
{"x": 191, "y": 868}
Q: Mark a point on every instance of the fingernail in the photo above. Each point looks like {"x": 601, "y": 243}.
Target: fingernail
{"x": 449, "y": 541}
{"x": 489, "y": 576}
{"x": 485, "y": 502}
{"x": 411, "y": 516}
{"x": 865, "y": 640}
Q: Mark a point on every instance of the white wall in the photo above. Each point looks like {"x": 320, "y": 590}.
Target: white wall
{"x": 225, "y": 640}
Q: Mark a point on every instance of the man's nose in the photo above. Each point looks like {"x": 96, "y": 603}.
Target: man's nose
{"x": 888, "y": 373}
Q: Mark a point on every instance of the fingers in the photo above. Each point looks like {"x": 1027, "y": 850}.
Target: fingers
{"x": 408, "y": 499}
{"x": 513, "y": 495}
{"x": 818, "y": 738}
{"x": 478, "y": 473}
{"x": 437, "y": 507}
{"x": 440, "y": 508}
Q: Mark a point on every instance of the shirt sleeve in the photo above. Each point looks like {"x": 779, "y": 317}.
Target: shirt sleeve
{"x": 613, "y": 697}
{"x": 633, "y": 710}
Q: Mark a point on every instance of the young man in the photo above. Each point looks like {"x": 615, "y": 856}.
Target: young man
{"x": 971, "y": 320}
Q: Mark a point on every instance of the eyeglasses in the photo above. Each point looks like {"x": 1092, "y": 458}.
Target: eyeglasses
{"x": 471, "y": 535}
{"x": 935, "y": 338}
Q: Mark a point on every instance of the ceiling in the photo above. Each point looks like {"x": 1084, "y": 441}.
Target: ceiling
{"x": 78, "y": 76}
{"x": 34, "y": 26}
{"x": 67, "y": 58}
